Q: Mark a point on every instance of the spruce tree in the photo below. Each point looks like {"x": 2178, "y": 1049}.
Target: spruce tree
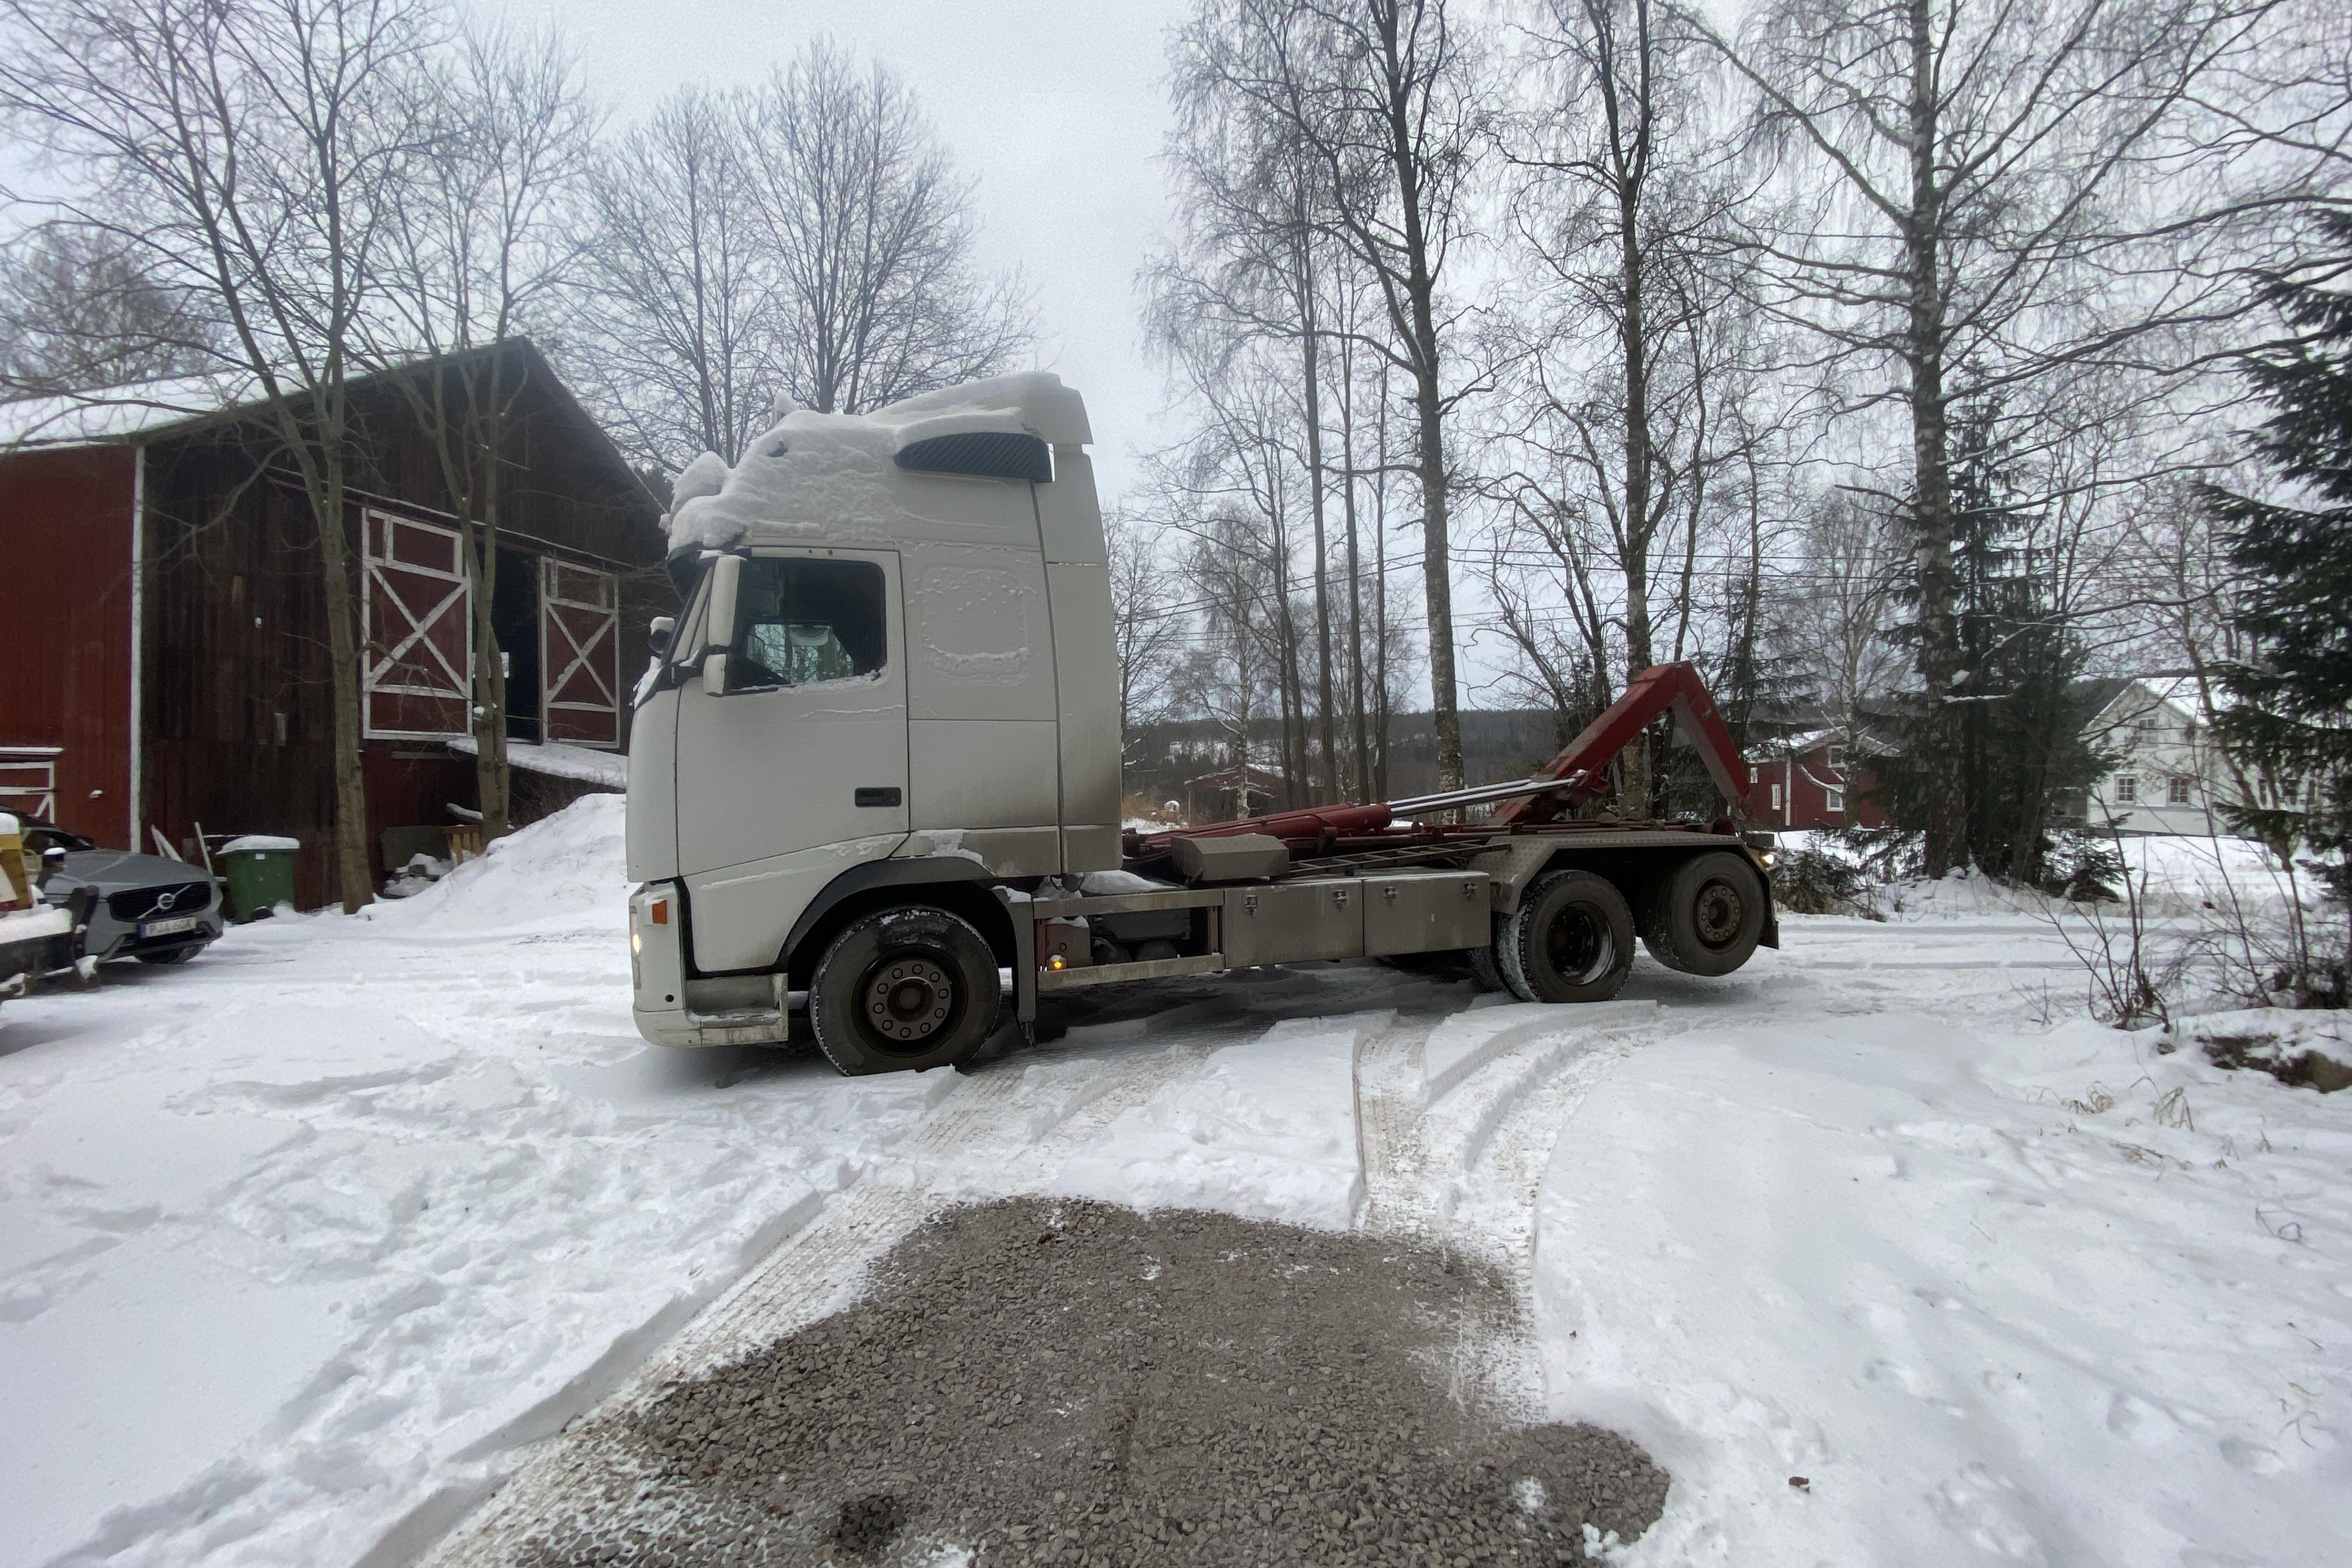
{"x": 2292, "y": 720}
{"x": 2022, "y": 702}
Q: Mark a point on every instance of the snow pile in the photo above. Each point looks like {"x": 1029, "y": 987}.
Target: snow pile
{"x": 1897, "y": 1291}
{"x": 567, "y": 873}
{"x": 1266, "y": 1131}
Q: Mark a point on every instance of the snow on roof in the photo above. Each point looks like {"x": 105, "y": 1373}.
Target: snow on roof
{"x": 814, "y": 473}
{"x": 116, "y": 414}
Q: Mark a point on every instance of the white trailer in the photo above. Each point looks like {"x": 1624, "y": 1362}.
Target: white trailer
{"x": 876, "y": 757}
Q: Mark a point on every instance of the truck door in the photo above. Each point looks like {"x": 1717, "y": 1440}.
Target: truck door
{"x": 797, "y": 771}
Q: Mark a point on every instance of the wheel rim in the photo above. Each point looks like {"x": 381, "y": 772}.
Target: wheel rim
{"x": 1718, "y": 914}
{"x": 904, "y": 1001}
{"x": 1578, "y": 945}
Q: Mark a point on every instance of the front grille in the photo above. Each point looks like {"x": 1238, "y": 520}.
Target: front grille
{"x": 160, "y": 903}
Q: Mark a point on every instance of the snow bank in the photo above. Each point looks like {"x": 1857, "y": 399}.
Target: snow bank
{"x": 566, "y": 873}
{"x": 1891, "y": 1290}
{"x": 1266, "y": 1129}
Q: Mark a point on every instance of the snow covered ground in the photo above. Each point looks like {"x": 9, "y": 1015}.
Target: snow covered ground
{"x": 1879, "y": 1248}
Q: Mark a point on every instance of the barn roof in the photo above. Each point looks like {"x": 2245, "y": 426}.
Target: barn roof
{"x": 141, "y": 412}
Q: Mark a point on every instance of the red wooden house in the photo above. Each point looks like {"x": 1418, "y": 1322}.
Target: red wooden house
{"x": 1817, "y": 779}
{"x": 166, "y": 632}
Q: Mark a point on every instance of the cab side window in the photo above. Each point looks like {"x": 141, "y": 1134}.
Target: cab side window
{"x": 798, "y": 622}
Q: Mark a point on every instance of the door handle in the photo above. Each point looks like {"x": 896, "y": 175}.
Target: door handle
{"x": 868, "y": 795}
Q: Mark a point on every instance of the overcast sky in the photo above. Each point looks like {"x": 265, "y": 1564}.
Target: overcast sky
{"x": 1054, "y": 106}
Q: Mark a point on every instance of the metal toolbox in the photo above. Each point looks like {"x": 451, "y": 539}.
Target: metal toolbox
{"x": 1426, "y": 911}
{"x": 1287, "y": 922}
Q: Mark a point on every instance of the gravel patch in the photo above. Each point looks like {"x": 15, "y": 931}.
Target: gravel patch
{"x": 1063, "y": 1383}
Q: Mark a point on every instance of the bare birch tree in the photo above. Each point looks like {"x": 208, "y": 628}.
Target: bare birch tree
{"x": 477, "y": 248}
{"x": 1384, "y": 98}
{"x": 243, "y": 151}
{"x": 870, "y": 235}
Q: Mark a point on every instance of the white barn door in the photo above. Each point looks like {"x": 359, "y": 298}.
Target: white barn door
{"x": 417, "y": 674}
{"x": 579, "y": 654}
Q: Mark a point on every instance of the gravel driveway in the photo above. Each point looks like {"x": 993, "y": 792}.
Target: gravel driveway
{"x": 1071, "y": 1383}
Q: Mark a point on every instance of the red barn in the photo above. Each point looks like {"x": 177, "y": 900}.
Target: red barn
{"x": 165, "y": 639}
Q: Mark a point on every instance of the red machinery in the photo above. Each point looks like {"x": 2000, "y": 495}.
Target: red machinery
{"x": 1579, "y": 774}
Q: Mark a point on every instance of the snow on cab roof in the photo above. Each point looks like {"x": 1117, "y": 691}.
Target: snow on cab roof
{"x": 117, "y": 412}
{"x": 814, "y": 473}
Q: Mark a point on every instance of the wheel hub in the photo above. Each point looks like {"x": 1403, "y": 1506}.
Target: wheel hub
{"x": 908, "y": 999}
{"x": 1718, "y": 914}
{"x": 1577, "y": 946}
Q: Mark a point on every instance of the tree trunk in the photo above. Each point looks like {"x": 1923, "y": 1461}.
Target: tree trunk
{"x": 1329, "y": 789}
{"x": 1359, "y": 741}
{"x": 1939, "y": 632}
{"x": 1634, "y": 760}
{"x": 344, "y": 638}
{"x": 493, "y": 779}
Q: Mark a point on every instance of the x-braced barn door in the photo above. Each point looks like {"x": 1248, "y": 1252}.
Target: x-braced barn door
{"x": 580, "y": 654}
{"x": 416, "y": 679}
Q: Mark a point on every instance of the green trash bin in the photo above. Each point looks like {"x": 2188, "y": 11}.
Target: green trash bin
{"x": 260, "y": 872}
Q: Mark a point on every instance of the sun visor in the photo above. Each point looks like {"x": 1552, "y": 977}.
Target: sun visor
{"x": 975, "y": 444}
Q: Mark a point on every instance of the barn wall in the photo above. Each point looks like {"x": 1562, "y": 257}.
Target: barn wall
{"x": 65, "y": 627}
{"x": 238, "y": 703}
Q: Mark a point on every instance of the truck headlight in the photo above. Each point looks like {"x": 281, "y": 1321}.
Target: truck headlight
{"x": 637, "y": 942}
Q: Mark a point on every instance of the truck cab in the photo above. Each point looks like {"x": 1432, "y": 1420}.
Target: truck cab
{"x": 892, "y": 671}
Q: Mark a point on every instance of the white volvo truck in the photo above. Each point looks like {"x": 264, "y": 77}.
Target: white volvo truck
{"x": 876, "y": 762}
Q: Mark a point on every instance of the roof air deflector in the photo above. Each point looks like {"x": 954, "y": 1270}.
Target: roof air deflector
{"x": 985, "y": 454}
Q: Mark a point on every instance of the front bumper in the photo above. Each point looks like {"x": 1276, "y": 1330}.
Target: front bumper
{"x": 670, "y": 1008}
{"x": 111, "y": 937}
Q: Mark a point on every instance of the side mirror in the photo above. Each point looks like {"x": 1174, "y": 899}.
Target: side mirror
{"x": 726, "y": 579}
{"x": 659, "y": 633}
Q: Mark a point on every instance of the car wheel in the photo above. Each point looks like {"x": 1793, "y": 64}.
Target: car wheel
{"x": 1706, "y": 915}
{"x": 903, "y": 991}
{"x": 1570, "y": 939}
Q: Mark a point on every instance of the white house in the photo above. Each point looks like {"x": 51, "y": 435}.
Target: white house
{"x": 2170, "y": 777}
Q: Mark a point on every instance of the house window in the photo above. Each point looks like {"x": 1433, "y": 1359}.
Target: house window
{"x": 2175, "y": 791}
{"x": 1837, "y": 756}
{"x": 2127, "y": 788}
{"x": 1776, "y": 797}
{"x": 1834, "y": 800}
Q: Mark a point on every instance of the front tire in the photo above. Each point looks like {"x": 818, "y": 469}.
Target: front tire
{"x": 1706, "y": 915}
{"x": 903, "y": 991}
{"x": 1570, "y": 939}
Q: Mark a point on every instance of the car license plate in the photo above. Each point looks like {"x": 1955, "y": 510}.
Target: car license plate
{"x": 169, "y": 928}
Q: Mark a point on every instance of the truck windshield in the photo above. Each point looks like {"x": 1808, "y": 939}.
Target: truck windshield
{"x": 803, "y": 621}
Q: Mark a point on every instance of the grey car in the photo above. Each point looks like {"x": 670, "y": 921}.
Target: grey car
{"x": 148, "y": 908}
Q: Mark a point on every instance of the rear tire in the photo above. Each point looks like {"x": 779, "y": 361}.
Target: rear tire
{"x": 1484, "y": 967}
{"x": 1706, "y": 915}
{"x": 903, "y": 991}
{"x": 1570, "y": 939}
